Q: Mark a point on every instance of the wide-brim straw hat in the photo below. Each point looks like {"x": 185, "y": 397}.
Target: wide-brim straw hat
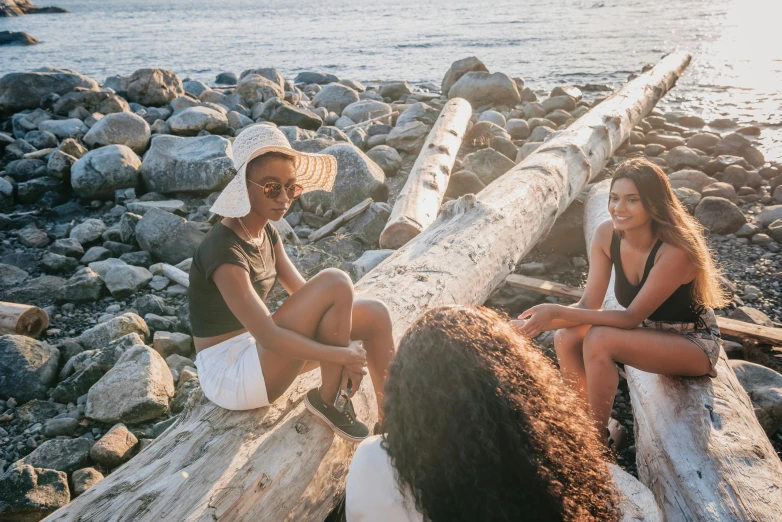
{"x": 313, "y": 171}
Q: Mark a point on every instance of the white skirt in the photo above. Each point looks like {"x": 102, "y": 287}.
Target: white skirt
{"x": 230, "y": 374}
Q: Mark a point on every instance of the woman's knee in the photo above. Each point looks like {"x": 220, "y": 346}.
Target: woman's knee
{"x": 567, "y": 340}
{"x": 597, "y": 343}
{"x": 337, "y": 281}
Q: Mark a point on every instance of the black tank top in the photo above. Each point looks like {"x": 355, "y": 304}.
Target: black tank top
{"x": 679, "y": 307}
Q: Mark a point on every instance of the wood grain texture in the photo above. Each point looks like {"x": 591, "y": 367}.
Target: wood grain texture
{"x": 699, "y": 447}
{"x": 280, "y": 463}
{"x": 419, "y": 200}
{"x": 22, "y": 319}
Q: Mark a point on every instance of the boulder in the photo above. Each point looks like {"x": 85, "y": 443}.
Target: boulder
{"x": 30, "y": 494}
{"x": 366, "y": 110}
{"x": 183, "y": 390}
{"x": 41, "y": 139}
{"x": 115, "y": 447}
{"x": 84, "y": 479}
{"x": 38, "y": 292}
{"x": 747, "y": 314}
{"x": 77, "y": 384}
{"x": 764, "y": 387}
{"x": 368, "y": 260}
{"x": 21, "y": 91}
{"x": 60, "y": 164}
{"x": 408, "y": 138}
{"x": 720, "y": 190}
{"x": 368, "y": 226}
{"x": 738, "y": 176}
{"x": 517, "y": 128}
{"x": 463, "y": 182}
{"x": 106, "y": 169}
{"x": 169, "y": 343}
{"x": 458, "y": 69}
{"x": 691, "y": 179}
{"x": 66, "y": 455}
{"x": 124, "y": 281}
{"x": 688, "y": 197}
{"x": 267, "y": 72}
{"x": 171, "y": 238}
{"x": 32, "y": 237}
{"x": 737, "y": 145}
{"x": 334, "y": 97}
{"x": 195, "y": 87}
{"x": 11, "y": 275}
{"x": 358, "y": 178}
{"x": 563, "y": 102}
{"x": 482, "y": 89}
{"x": 100, "y": 335}
{"x": 136, "y": 390}
{"x": 482, "y": 133}
{"x": 27, "y": 367}
{"x": 315, "y": 77}
{"x": 178, "y": 362}
{"x": 226, "y": 78}
{"x": 702, "y": 141}
{"x": 394, "y": 89}
{"x": 193, "y": 120}
{"x": 88, "y": 231}
{"x": 64, "y": 129}
{"x": 121, "y": 128}
{"x": 387, "y": 159}
{"x": 283, "y": 113}
{"x": 84, "y": 286}
{"x": 487, "y": 164}
{"x": 719, "y": 215}
{"x": 768, "y": 215}
{"x": 189, "y": 165}
{"x": 90, "y": 101}
{"x": 154, "y": 87}
{"x": 683, "y": 157}
{"x": 127, "y": 227}
{"x": 254, "y": 88}
{"x": 418, "y": 111}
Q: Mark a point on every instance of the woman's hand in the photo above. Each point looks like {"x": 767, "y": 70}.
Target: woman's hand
{"x": 355, "y": 383}
{"x": 354, "y": 358}
{"x": 536, "y": 320}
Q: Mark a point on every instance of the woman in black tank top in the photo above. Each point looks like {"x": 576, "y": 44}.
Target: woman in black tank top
{"x": 666, "y": 281}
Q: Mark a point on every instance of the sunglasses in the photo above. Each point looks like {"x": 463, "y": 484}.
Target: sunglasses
{"x": 273, "y": 189}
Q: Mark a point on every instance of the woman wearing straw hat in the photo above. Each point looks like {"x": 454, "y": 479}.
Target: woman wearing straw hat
{"x": 246, "y": 356}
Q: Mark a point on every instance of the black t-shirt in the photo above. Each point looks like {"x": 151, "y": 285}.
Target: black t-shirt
{"x": 209, "y": 314}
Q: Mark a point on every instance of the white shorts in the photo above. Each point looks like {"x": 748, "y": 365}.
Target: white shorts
{"x": 230, "y": 374}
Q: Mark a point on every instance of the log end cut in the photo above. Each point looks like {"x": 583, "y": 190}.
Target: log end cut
{"x": 396, "y": 235}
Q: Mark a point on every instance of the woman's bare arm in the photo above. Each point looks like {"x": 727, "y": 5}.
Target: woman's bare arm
{"x": 287, "y": 273}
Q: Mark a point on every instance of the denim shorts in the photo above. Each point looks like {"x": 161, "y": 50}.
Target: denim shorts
{"x": 703, "y": 332}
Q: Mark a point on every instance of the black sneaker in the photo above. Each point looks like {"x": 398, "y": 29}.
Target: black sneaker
{"x": 343, "y": 423}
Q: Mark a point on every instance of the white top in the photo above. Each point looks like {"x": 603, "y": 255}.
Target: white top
{"x": 372, "y": 491}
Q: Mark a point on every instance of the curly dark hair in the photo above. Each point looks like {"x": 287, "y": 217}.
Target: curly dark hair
{"x": 480, "y": 426}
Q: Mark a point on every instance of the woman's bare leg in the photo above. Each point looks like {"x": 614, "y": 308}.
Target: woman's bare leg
{"x": 372, "y": 326}
{"x": 653, "y": 351}
{"x": 320, "y": 310}
{"x": 568, "y": 343}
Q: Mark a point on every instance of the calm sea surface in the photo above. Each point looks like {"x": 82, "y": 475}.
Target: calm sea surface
{"x": 736, "y": 71}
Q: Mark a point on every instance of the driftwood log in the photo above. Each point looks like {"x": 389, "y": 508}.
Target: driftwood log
{"x": 419, "y": 200}
{"x": 22, "y": 319}
{"x": 699, "y": 446}
{"x": 280, "y": 463}
{"x": 331, "y": 227}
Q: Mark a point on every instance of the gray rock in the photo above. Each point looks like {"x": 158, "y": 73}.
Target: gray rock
{"x": 366, "y": 110}
{"x": 169, "y": 343}
{"x": 94, "y": 254}
{"x": 57, "y": 427}
{"x": 73, "y": 148}
{"x": 409, "y": 138}
{"x": 368, "y": 260}
{"x": 226, "y": 78}
{"x": 136, "y": 390}
{"x": 60, "y": 164}
{"x": 101, "y": 335}
{"x": 64, "y": 128}
{"x": 394, "y": 89}
{"x": 387, "y": 158}
{"x": 25, "y": 169}
{"x": 334, "y": 97}
{"x": 315, "y": 77}
{"x": 140, "y": 208}
{"x": 683, "y": 157}
{"x": 333, "y": 133}
{"x": 88, "y": 231}
{"x": 517, "y": 128}
{"x": 170, "y": 237}
{"x": 20, "y": 91}
{"x": 463, "y": 182}
{"x": 84, "y": 479}
{"x": 254, "y": 88}
{"x": 737, "y": 145}
{"x": 124, "y": 281}
{"x": 102, "y": 171}
{"x": 764, "y": 387}
{"x": 115, "y": 447}
{"x": 127, "y": 227}
{"x": 66, "y": 455}
{"x": 41, "y": 139}
{"x": 77, "y": 384}
{"x": 563, "y": 102}
{"x": 539, "y": 134}
{"x": 768, "y": 216}
{"x": 193, "y": 120}
{"x": 368, "y": 226}
{"x": 11, "y": 275}
{"x": 122, "y": 128}
{"x": 38, "y": 292}
{"x": 358, "y": 177}
{"x": 178, "y": 362}
{"x": 751, "y": 315}
{"x": 57, "y": 264}
{"x": 283, "y": 113}
{"x": 27, "y": 367}
{"x": 32, "y": 237}
{"x": 739, "y": 177}
{"x": 416, "y": 112}
{"x": 702, "y": 141}
{"x": 493, "y": 116}
{"x": 91, "y": 102}
{"x": 482, "y": 133}
{"x": 775, "y": 231}
{"x": 720, "y": 190}
{"x": 487, "y": 164}
{"x": 38, "y": 412}
{"x": 688, "y": 197}
{"x": 152, "y": 304}
{"x": 85, "y": 286}
{"x": 22, "y": 123}
{"x": 183, "y": 391}
{"x": 458, "y": 69}
{"x": 691, "y": 179}
{"x": 195, "y": 87}
{"x": 238, "y": 121}
{"x": 481, "y": 89}
{"x": 719, "y": 215}
{"x": 154, "y": 87}
{"x": 187, "y": 165}
{"x": 30, "y": 494}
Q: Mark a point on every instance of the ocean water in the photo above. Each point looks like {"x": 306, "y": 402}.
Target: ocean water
{"x": 736, "y": 71}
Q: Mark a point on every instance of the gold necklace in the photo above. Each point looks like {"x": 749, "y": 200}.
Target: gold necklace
{"x": 254, "y": 240}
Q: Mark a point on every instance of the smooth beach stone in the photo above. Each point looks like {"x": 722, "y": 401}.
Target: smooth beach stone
{"x": 559, "y": 117}
{"x": 88, "y": 231}
{"x": 482, "y": 133}
{"x": 175, "y": 164}
{"x": 418, "y": 111}
{"x": 269, "y": 73}
{"x": 387, "y": 159}
{"x": 41, "y": 139}
{"x": 64, "y": 128}
{"x": 66, "y": 455}
{"x": 315, "y": 77}
{"x": 84, "y": 479}
{"x": 566, "y": 90}
{"x": 184, "y": 102}
{"x": 84, "y": 286}
{"x": 564, "y": 102}
{"x": 27, "y": 367}
{"x": 124, "y": 281}
{"x": 192, "y": 120}
{"x": 91, "y": 102}
{"x": 116, "y": 83}
{"x": 283, "y": 113}
{"x": 154, "y": 87}
{"x": 667, "y": 140}
{"x": 335, "y": 97}
{"x": 106, "y": 169}
{"x": 539, "y": 134}
{"x": 226, "y": 78}
{"x": 719, "y": 215}
{"x": 494, "y": 117}
{"x": 122, "y": 128}
{"x": 702, "y": 141}
{"x": 255, "y": 88}
{"x": 764, "y": 387}
{"x": 737, "y": 145}
{"x": 20, "y": 91}
{"x": 487, "y": 164}
{"x": 31, "y": 493}
{"x": 168, "y": 237}
{"x": 409, "y": 138}
{"x": 101, "y": 335}
{"x": 195, "y": 87}
{"x": 458, "y": 69}
{"x": 394, "y": 89}
{"x": 683, "y": 157}
{"x": 482, "y": 89}
{"x": 463, "y": 182}
{"x": 720, "y": 190}
{"x": 688, "y": 197}
{"x": 115, "y": 447}
{"x": 691, "y": 179}
{"x": 366, "y": 110}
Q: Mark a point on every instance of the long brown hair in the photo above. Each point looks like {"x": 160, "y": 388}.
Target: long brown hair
{"x": 480, "y": 426}
{"x": 674, "y": 225}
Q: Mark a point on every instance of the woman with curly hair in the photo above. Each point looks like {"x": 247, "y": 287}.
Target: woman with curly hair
{"x": 665, "y": 278}
{"x": 479, "y": 426}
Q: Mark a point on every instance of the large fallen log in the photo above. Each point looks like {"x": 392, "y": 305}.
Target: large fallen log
{"x": 22, "y": 319}
{"x": 419, "y": 200}
{"x": 699, "y": 446}
{"x": 280, "y": 463}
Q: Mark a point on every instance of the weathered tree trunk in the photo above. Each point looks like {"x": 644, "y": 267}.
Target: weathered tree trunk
{"x": 699, "y": 447}
{"x": 420, "y": 198}
{"x": 636, "y": 502}
{"x": 331, "y": 227}
{"x": 22, "y": 319}
{"x": 280, "y": 463}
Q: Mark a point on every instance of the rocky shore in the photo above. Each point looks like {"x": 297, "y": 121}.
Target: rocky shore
{"x": 100, "y": 184}
{"x": 9, "y": 8}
